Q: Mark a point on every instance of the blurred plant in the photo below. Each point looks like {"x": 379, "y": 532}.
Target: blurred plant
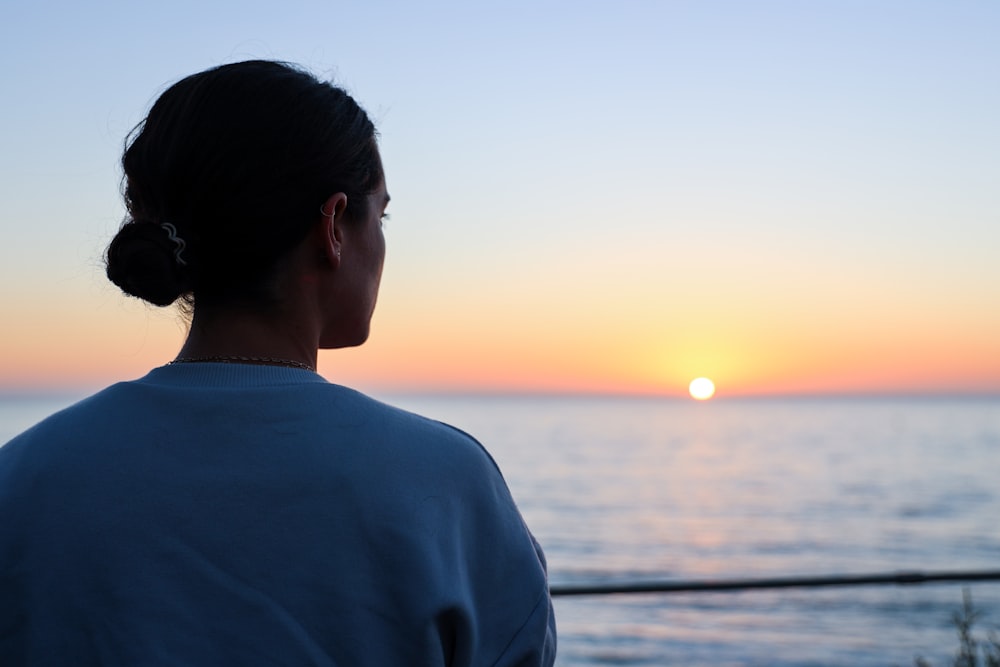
{"x": 970, "y": 649}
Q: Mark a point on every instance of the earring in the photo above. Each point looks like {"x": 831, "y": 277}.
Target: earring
{"x": 325, "y": 214}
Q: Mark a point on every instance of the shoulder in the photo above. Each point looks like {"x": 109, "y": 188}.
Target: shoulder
{"x": 52, "y": 455}
{"x": 397, "y": 422}
{"x": 69, "y": 420}
{"x": 428, "y": 447}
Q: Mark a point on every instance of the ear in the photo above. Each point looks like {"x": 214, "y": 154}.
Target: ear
{"x": 331, "y": 223}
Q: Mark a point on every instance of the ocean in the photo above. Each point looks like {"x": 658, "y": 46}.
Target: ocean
{"x": 636, "y": 489}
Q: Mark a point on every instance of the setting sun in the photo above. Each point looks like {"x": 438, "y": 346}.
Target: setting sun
{"x": 701, "y": 389}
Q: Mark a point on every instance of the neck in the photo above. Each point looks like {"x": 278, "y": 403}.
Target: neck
{"x": 249, "y": 337}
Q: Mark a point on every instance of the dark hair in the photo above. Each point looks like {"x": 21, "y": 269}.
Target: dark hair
{"x": 227, "y": 173}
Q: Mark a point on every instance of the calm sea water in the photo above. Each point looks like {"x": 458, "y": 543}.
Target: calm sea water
{"x": 638, "y": 489}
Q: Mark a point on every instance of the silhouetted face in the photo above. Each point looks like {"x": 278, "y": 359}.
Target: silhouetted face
{"x": 359, "y": 275}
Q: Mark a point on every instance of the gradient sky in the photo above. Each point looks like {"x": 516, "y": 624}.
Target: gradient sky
{"x": 787, "y": 197}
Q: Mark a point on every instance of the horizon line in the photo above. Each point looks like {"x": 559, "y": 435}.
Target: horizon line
{"x": 70, "y": 391}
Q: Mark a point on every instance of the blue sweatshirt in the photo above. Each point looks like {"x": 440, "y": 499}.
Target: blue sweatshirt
{"x": 230, "y": 514}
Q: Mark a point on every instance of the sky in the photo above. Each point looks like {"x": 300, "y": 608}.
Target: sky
{"x": 611, "y": 197}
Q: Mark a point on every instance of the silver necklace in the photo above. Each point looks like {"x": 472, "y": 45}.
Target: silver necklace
{"x": 270, "y": 361}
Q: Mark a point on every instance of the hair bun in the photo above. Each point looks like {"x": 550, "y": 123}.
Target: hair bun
{"x": 142, "y": 260}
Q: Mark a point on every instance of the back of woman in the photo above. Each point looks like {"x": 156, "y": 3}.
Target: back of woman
{"x": 233, "y": 506}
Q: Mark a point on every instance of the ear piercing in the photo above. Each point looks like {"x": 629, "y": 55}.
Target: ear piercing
{"x": 329, "y": 215}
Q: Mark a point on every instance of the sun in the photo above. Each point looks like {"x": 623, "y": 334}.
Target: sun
{"x": 701, "y": 389}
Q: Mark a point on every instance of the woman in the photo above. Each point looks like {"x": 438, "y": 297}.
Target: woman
{"x": 233, "y": 507}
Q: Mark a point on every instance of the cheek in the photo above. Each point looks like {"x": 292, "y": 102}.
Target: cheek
{"x": 379, "y": 247}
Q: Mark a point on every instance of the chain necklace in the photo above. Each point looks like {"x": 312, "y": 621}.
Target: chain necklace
{"x": 270, "y": 361}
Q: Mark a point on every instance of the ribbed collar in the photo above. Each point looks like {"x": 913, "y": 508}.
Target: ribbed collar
{"x": 218, "y": 374}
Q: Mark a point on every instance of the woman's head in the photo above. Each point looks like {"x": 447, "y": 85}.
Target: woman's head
{"x": 227, "y": 174}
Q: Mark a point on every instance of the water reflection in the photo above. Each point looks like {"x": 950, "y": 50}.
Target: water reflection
{"x": 640, "y": 489}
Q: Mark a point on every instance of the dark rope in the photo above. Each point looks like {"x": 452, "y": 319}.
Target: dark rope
{"x": 694, "y": 586}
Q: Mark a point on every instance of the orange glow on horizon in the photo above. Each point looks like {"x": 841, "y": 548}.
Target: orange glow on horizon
{"x": 75, "y": 344}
